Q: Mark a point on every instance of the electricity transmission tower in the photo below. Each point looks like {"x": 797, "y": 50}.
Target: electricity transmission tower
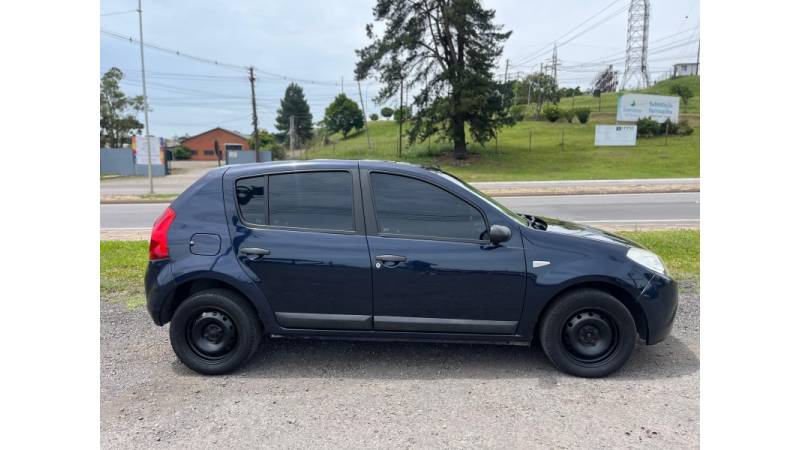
{"x": 636, "y": 54}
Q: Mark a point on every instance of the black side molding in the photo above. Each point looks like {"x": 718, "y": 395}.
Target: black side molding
{"x": 324, "y": 321}
{"x": 430, "y": 324}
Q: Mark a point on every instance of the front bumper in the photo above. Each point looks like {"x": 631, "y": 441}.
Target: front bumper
{"x": 659, "y": 302}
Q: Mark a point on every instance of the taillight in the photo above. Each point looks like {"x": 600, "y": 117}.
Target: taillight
{"x": 158, "y": 238}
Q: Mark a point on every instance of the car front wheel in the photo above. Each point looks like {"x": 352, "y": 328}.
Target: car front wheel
{"x": 588, "y": 333}
{"x": 214, "y": 331}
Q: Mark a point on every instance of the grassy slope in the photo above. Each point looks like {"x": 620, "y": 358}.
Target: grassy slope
{"x": 608, "y": 102}
{"x": 511, "y": 159}
{"x": 122, "y": 263}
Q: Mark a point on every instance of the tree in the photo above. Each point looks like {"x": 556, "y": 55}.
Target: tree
{"x": 268, "y": 141}
{"x": 541, "y": 87}
{"x": 402, "y": 114}
{"x": 343, "y": 115}
{"x": 683, "y": 91}
{"x": 118, "y": 112}
{"x": 447, "y": 48}
{"x": 387, "y": 112}
{"x": 294, "y": 104}
{"x": 373, "y": 117}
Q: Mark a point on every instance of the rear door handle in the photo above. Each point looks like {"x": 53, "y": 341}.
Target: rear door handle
{"x": 254, "y": 253}
{"x": 390, "y": 258}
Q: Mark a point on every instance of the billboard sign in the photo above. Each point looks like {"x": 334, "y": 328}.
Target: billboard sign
{"x": 140, "y": 145}
{"x": 632, "y": 107}
{"x": 615, "y": 135}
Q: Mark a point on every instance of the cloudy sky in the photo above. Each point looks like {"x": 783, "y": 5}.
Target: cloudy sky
{"x": 313, "y": 43}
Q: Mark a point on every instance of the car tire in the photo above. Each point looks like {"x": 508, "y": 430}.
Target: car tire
{"x": 587, "y": 333}
{"x": 215, "y": 331}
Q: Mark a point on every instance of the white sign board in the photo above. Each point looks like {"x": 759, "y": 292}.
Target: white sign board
{"x": 632, "y": 107}
{"x": 141, "y": 150}
{"x": 617, "y": 135}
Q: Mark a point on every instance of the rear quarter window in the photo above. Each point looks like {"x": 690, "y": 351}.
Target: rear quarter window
{"x": 251, "y": 200}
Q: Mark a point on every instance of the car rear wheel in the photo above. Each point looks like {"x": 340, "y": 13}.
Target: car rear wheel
{"x": 588, "y": 333}
{"x": 214, "y": 331}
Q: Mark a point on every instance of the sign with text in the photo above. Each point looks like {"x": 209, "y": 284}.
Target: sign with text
{"x": 141, "y": 149}
{"x": 616, "y": 135}
{"x": 632, "y": 107}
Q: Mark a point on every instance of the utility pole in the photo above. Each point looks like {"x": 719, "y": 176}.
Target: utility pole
{"x": 256, "y": 142}
{"x": 364, "y": 111}
{"x": 342, "y": 84}
{"x": 402, "y": 119}
{"x": 697, "y": 67}
{"x": 505, "y": 77}
{"x": 146, "y": 106}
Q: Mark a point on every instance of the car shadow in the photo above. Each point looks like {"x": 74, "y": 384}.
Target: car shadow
{"x": 309, "y": 358}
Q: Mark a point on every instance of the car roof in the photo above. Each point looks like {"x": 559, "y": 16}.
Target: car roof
{"x": 246, "y": 169}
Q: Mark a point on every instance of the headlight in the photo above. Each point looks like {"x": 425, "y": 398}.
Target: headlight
{"x": 647, "y": 259}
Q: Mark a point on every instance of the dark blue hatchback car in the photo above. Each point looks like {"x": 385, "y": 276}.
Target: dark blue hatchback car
{"x": 388, "y": 251}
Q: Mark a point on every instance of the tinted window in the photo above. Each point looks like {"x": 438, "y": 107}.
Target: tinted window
{"x": 250, "y": 196}
{"x": 411, "y": 207}
{"x": 321, "y": 200}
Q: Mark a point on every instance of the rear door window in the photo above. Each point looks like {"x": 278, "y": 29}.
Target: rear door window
{"x": 411, "y": 207}
{"x": 312, "y": 200}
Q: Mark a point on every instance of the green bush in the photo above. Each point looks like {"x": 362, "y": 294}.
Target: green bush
{"x": 583, "y": 114}
{"x": 552, "y": 112}
{"x": 387, "y": 112}
{"x": 373, "y": 117}
{"x": 647, "y": 127}
{"x": 518, "y": 112}
{"x": 681, "y": 129}
{"x": 181, "y": 153}
{"x": 568, "y": 114}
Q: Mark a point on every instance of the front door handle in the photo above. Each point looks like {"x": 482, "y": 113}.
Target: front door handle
{"x": 253, "y": 253}
{"x": 390, "y": 258}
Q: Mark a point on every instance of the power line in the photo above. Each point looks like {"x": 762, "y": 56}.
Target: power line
{"x": 542, "y": 51}
{"x": 118, "y": 13}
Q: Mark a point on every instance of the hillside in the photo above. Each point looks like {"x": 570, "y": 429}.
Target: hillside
{"x": 608, "y": 102}
{"x": 532, "y": 150}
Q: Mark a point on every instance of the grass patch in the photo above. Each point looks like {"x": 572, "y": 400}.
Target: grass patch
{"x": 122, "y": 266}
{"x": 511, "y": 158}
{"x": 679, "y": 249}
{"x": 533, "y": 150}
{"x": 122, "y": 263}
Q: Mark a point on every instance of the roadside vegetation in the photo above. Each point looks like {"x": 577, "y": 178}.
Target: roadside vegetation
{"x": 122, "y": 263}
{"x": 530, "y": 150}
{"x": 559, "y": 146}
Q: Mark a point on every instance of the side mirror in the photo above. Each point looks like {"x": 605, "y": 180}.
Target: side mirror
{"x": 499, "y": 233}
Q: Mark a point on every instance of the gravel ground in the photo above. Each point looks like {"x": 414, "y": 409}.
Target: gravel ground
{"x": 335, "y": 394}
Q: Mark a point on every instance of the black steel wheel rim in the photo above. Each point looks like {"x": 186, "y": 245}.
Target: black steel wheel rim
{"x": 590, "y": 336}
{"x": 211, "y": 334}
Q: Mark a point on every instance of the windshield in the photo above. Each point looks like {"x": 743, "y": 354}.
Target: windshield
{"x": 519, "y": 218}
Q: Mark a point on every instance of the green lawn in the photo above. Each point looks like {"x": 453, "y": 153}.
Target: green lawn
{"x": 679, "y": 249}
{"x": 532, "y": 150}
{"x": 511, "y": 158}
{"x": 608, "y": 101}
{"x": 122, "y": 266}
{"x": 122, "y": 263}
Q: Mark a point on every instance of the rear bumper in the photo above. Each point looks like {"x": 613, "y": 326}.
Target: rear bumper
{"x": 659, "y": 302}
{"x": 158, "y": 287}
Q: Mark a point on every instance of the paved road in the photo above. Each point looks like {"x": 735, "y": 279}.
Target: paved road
{"x": 678, "y": 209}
